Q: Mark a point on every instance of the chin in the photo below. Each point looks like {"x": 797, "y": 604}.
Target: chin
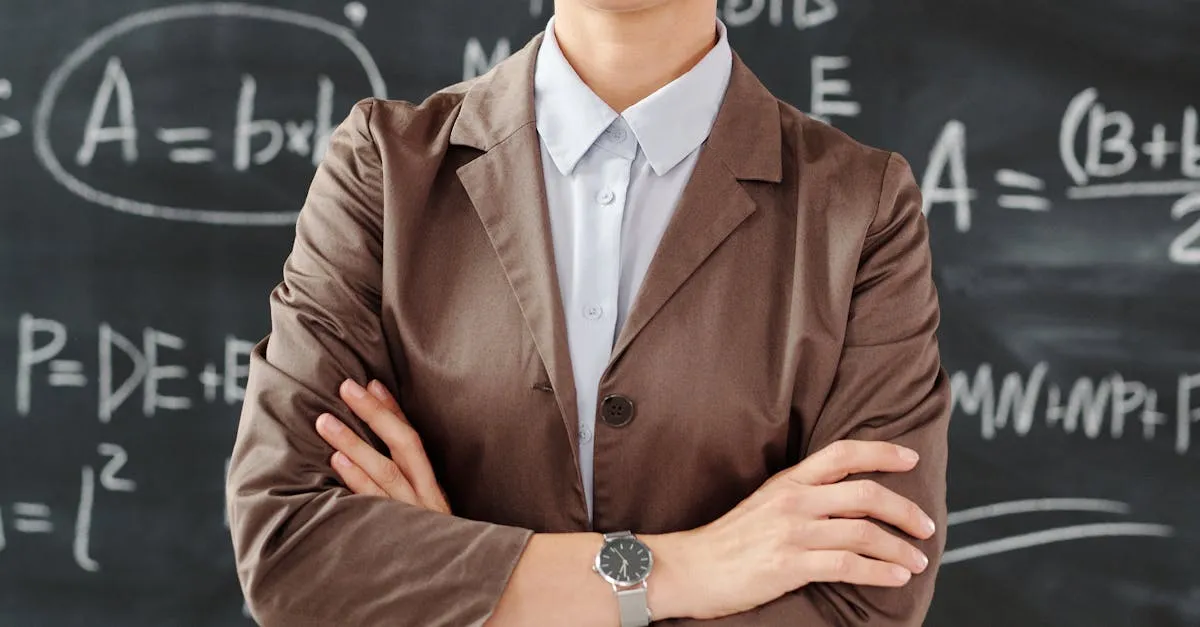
{"x": 625, "y": 6}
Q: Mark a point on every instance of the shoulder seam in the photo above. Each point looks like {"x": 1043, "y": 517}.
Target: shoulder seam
{"x": 887, "y": 167}
{"x": 369, "y": 105}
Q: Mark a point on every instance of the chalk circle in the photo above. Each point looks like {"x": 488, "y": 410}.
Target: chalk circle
{"x": 126, "y": 25}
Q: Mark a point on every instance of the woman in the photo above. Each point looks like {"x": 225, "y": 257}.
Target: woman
{"x": 673, "y": 363}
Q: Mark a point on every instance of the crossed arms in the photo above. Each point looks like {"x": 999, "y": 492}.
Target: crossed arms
{"x": 372, "y": 543}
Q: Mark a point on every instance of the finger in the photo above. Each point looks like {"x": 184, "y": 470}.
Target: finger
{"x": 845, "y": 457}
{"x": 378, "y": 409}
{"x": 442, "y": 504}
{"x": 354, "y": 477}
{"x": 379, "y": 391}
{"x": 865, "y": 538}
{"x": 402, "y": 440}
{"x": 379, "y": 468}
{"x": 848, "y": 567}
{"x": 865, "y": 498}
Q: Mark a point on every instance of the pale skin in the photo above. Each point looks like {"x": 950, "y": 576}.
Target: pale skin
{"x": 803, "y": 525}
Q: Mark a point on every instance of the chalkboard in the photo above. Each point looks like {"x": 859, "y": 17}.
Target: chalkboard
{"x": 153, "y": 156}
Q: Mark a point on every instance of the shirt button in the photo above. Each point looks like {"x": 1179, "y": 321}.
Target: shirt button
{"x": 615, "y": 133}
{"x": 605, "y": 196}
{"x": 593, "y": 312}
{"x": 585, "y": 435}
{"x": 616, "y": 410}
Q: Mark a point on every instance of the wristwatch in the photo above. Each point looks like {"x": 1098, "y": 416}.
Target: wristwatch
{"x": 625, "y": 562}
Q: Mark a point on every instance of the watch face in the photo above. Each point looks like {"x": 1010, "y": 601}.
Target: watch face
{"x": 624, "y": 561}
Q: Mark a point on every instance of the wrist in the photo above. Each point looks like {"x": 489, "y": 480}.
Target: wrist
{"x": 667, "y": 587}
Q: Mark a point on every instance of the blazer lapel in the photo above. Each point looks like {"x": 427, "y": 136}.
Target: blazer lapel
{"x": 744, "y": 145}
{"x": 507, "y": 189}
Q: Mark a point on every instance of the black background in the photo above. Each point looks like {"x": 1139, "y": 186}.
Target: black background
{"x": 1087, "y": 288}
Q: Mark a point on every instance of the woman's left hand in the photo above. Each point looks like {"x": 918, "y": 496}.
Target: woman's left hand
{"x": 407, "y": 476}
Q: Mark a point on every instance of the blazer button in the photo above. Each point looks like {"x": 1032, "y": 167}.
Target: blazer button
{"x": 616, "y": 410}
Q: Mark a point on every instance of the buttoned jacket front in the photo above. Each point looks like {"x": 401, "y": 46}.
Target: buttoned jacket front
{"x": 790, "y": 304}
{"x": 612, "y": 181}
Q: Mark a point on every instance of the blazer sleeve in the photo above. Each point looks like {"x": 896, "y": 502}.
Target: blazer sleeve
{"x": 890, "y": 385}
{"x": 308, "y": 551}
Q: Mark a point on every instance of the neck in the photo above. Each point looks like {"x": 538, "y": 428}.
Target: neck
{"x": 624, "y": 56}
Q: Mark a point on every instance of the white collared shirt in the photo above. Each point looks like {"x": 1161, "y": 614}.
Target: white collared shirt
{"x": 612, "y": 182}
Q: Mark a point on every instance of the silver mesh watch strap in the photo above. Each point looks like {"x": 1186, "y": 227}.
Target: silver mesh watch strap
{"x": 635, "y": 610}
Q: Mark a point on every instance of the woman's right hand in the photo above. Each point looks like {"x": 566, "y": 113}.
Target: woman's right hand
{"x": 805, "y": 524}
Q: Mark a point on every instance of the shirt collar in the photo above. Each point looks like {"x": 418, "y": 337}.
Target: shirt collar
{"x": 668, "y": 124}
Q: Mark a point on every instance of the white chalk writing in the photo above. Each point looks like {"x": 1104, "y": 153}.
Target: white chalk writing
{"x": 477, "y": 62}
{"x": 9, "y": 127}
{"x": 307, "y": 138}
{"x": 823, "y": 88}
{"x": 152, "y": 364}
{"x": 1095, "y": 407}
{"x": 805, "y": 14}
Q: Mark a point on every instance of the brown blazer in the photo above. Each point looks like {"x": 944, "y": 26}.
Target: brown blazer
{"x": 790, "y": 304}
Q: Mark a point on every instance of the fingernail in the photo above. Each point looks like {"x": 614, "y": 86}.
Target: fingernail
{"x": 340, "y": 459}
{"x": 351, "y": 387}
{"x": 908, "y": 454}
{"x": 922, "y": 559}
{"x": 378, "y": 390}
{"x": 901, "y": 573}
{"x": 328, "y": 423}
{"x": 929, "y": 526}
